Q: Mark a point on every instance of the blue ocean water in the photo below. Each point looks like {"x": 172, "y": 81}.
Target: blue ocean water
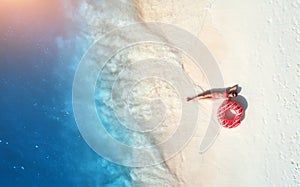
{"x": 40, "y": 144}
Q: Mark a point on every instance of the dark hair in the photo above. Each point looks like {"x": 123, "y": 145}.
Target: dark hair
{"x": 234, "y": 93}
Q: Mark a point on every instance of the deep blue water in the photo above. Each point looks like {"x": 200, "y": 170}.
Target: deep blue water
{"x": 40, "y": 144}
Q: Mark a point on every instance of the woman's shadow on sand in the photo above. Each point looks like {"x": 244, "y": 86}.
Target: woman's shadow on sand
{"x": 242, "y": 101}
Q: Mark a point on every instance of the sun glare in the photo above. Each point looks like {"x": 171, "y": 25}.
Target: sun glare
{"x": 27, "y": 17}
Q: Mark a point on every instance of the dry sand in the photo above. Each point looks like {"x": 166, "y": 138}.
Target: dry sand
{"x": 256, "y": 44}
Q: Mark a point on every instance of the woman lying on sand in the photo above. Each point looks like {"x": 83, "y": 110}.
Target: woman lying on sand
{"x": 219, "y": 93}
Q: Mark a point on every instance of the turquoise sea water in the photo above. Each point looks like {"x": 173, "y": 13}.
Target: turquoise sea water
{"x": 40, "y": 144}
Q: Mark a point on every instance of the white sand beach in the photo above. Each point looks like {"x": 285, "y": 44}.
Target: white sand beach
{"x": 256, "y": 45}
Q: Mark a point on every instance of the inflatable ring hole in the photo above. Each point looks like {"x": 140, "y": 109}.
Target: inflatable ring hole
{"x": 230, "y": 114}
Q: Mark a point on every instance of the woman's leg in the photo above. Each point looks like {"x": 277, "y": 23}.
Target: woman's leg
{"x": 200, "y": 96}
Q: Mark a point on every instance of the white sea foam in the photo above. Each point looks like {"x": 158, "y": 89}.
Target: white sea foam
{"x": 99, "y": 19}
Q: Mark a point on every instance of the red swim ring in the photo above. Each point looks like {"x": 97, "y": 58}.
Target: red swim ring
{"x": 230, "y": 114}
